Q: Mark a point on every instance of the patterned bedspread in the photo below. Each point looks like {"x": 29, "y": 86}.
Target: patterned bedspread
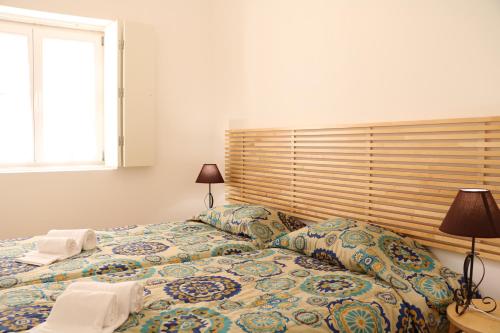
{"x": 264, "y": 291}
{"x": 123, "y": 250}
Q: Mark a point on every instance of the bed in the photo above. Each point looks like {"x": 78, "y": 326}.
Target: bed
{"x": 123, "y": 249}
{"x": 336, "y": 276}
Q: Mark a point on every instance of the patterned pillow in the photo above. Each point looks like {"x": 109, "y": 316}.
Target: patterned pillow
{"x": 371, "y": 249}
{"x": 260, "y": 223}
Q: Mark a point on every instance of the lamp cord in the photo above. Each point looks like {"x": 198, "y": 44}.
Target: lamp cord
{"x": 475, "y": 308}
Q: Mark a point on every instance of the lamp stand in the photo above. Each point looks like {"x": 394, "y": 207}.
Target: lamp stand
{"x": 463, "y": 296}
{"x": 210, "y": 196}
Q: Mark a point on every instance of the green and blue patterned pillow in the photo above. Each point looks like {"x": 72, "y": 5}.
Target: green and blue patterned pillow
{"x": 261, "y": 224}
{"x": 370, "y": 249}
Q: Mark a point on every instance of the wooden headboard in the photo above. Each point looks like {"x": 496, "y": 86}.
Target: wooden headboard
{"x": 401, "y": 175}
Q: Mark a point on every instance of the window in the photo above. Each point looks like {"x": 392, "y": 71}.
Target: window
{"x": 51, "y": 96}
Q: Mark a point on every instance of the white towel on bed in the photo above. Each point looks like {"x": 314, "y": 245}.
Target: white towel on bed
{"x": 83, "y": 312}
{"x": 86, "y": 239}
{"x": 130, "y": 294}
{"x": 51, "y": 249}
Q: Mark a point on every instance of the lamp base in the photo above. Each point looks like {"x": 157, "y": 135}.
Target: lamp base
{"x": 464, "y": 295}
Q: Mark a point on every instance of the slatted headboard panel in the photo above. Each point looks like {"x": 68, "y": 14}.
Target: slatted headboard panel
{"x": 400, "y": 175}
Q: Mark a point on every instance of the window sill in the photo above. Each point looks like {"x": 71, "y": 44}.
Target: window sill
{"x": 62, "y": 168}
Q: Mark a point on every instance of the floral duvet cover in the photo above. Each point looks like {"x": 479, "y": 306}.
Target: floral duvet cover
{"x": 264, "y": 291}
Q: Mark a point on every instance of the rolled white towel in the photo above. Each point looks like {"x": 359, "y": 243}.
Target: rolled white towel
{"x": 51, "y": 249}
{"x": 86, "y": 239}
{"x": 64, "y": 246}
{"x": 83, "y": 312}
{"x": 130, "y": 294}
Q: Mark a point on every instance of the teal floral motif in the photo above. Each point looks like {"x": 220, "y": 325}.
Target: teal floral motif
{"x": 126, "y": 275}
{"x": 178, "y": 271}
{"x": 12, "y": 252}
{"x": 320, "y": 230}
{"x": 262, "y": 322}
{"x": 21, "y": 297}
{"x": 310, "y": 318}
{"x": 250, "y": 212}
{"x": 261, "y": 231}
{"x": 300, "y": 273}
{"x": 404, "y": 256}
{"x": 255, "y": 254}
{"x": 68, "y": 265}
{"x": 140, "y": 248}
{"x": 317, "y": 301}
{"x": 228, "y": 249}
{"x": 270, "y": 284}
{"x": 277, "y": 300}
{"x": 111, "y": 266}
{"x": 375, "y": 228}
{"x": 188, "y": 228}
{"x": 202, "y": 289}
{"x": 185, "y": 320}
{"x": 336, "y": 285}
{"x": 436, "y": 291}
{"x": 387, "y": 297}
{"x": 11, "y": 267}
{"x": 133, "y": 320}
{"x": 202, "y": 247}
{"x": 22, "y": 318}
{"x": 8, "y": 282}
{"x": 328, "y": 256}
{"x": 256, "y": 268}
{"x": 229, "y": 305}
{"x": 355, "y": 238}
{"x": 349, "y": 315}
{"x": 299, "y": 243}
{"x": 313, "y": 263}
{"x": 160, "y": 305}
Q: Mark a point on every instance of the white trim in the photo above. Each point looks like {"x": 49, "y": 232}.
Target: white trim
{"x": 52, "y": 19}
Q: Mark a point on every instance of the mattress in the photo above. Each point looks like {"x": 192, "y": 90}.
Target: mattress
{"x": 123, "y": 250}
{"x": 267, "y": 290}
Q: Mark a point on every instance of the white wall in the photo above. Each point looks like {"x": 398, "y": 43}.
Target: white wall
{"x": 268, "y": 63}
{"x": 319, "y": 62}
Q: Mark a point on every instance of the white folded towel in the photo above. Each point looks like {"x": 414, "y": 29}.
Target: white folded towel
{"x": 83, "y": 312}
{"x": 130, "y": 294}
{"x": 51, "y": 249}
{"x": 86, "y": 239}
{"x": 63, "y": 246}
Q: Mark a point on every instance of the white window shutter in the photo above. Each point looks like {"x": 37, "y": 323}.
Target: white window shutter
{"x": 139, "y": 95}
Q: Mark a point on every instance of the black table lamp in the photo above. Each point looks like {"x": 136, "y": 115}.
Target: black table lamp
{"x": 474, "y": 213}
{"x": 210, "y": 174}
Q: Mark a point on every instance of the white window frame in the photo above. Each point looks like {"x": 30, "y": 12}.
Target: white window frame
{"x": 40, "y": 24}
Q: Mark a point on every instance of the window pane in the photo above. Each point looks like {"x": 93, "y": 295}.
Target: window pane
{"x": 70, "y": 115}
{"x": 16, "y": 115}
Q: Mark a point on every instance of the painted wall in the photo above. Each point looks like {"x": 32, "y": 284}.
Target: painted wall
{"x": 308, "y": 63}
{"x": 32, "y": 203}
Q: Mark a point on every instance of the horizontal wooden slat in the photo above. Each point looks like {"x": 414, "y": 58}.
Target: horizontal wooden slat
{"x": 402, "y": 175}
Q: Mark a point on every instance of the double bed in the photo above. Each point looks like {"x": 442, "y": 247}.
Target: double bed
{"x": 254, "y": 272}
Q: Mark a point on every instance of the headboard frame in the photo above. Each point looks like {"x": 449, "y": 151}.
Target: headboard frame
{"x": 401, "y": 175}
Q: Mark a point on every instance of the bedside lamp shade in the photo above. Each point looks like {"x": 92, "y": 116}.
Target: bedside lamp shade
{"x": 473, "y": 213}
{"x": 210, "y": 174}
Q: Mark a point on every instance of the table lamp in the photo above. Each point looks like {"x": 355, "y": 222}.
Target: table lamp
{"x": 474, "y": 213}
{"x": 210, "y": 174}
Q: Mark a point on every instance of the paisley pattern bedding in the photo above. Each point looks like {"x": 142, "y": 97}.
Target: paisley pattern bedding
{"x": 262, "y": 224}
{"x": 263, "y": 291}
{"x": 123, "y": 250}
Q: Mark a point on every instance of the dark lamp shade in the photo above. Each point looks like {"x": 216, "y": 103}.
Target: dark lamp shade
{"x": 210, "y": 174}
{"x": 473, "y": 213}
